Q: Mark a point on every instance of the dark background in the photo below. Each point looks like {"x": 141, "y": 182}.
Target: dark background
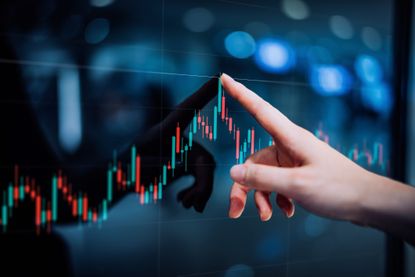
{"x": 87, "y": 69}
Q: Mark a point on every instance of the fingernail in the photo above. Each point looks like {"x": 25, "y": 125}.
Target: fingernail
{"x": 265, "y": 216}
{"x": 290, "y": 211}
{"x": 286, "y": 205}
{"x": 220, "y": 74}
{"x": 238, "y": 173}
{"x": 235, "y": 208}
{"x": 226, "y": 76}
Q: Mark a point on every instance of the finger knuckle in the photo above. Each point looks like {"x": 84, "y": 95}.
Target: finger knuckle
{"x": 297, "y": 178}
{"x": 250, "y": 173}
{"x": 303, "y": 181}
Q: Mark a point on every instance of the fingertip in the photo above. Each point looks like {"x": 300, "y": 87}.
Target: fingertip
{"x": 236, "y": 208}
{"x": 286, "y": 205}
{"x": 290, "y": 213}
{"x": 263, "y": 205}
{"x": 226, "y": 80}
{"x": 224, "y": 76}
{"x": 199, "y": 205}
{"x": 265, "y": 216}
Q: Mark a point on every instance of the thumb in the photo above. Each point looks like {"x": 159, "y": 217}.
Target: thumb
{"x": 265, "y": 177}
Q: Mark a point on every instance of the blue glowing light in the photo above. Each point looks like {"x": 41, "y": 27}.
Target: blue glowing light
{"x": 377, "y": 97}
{"x": 330, "y": 79}
{"x": 274, "y": 56}
{"x": 240, "y": 44}
{"x": 368, "y": 69}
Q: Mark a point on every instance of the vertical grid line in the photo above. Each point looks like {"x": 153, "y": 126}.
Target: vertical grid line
{"x": 160, "y": 149}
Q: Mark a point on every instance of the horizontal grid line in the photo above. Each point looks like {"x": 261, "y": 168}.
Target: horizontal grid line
{"x": 151, "y": 72}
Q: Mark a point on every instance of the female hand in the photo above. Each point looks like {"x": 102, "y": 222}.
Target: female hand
{"x": 301, "y": 167}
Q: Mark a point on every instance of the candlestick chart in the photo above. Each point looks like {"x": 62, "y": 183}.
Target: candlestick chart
{"x": 127, "y": 175}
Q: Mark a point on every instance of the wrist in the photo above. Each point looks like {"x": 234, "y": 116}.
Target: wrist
{"x": 385, "y": 202}
{"x": 372, "y": 199}
{"x": 387, "y": 205}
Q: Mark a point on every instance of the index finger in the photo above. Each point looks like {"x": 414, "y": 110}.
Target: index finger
{"x": 273, "y": 121}
{"x": 185, "y": 111}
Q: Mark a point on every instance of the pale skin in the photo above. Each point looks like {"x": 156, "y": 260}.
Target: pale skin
{"x": 304, "y": 169}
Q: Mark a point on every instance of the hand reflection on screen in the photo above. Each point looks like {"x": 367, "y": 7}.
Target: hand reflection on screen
{"x": 155, "y": 149}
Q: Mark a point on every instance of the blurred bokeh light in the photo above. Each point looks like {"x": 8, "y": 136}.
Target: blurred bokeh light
{"x": 274, "y": 56}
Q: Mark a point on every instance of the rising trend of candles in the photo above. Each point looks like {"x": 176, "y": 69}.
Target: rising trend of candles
{"x": 127, "y": 175}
